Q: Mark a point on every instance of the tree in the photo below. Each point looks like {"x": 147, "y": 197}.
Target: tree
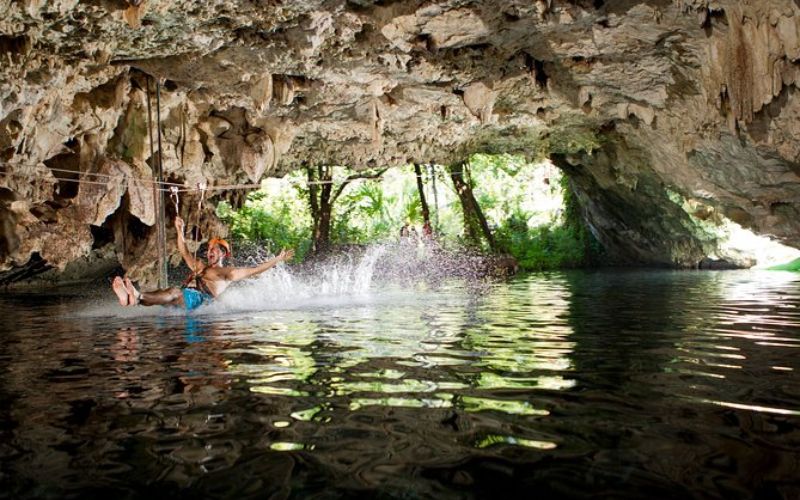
{"x": 322, "y": 197}
{"x": 426, "y": 214}
{"x": 475, "y": 223}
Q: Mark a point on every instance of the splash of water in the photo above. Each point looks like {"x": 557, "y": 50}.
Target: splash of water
{"x": 345, "y": 279}
{"x": 365, "y": 275}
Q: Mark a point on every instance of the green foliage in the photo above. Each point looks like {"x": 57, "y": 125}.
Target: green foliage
{"x": 790, "y": 266}
{"x": 546, "y": 247}
{"x": 275, "y": 220}
{"x": 543, "y": 247}
{"x": 564, "y": 242}
{"x": 529, "y": 207}
{"x": 363, "y": 214}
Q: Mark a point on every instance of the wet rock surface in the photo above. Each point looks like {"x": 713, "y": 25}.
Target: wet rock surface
{"x": 633, "y": 98}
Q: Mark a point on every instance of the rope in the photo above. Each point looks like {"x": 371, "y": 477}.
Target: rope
{"x": 115, "y": 176}
{"x": 109, "y": 177}
{"x": 202, "y": 187}
{"x": 20, "y": 175}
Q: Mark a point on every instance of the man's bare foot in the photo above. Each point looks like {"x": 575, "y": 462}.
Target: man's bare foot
{"x": 133, "y": 293}
{"x": 119, "y": 288}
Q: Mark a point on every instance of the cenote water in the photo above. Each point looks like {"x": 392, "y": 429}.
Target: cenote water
{"x": 615, "y": 383}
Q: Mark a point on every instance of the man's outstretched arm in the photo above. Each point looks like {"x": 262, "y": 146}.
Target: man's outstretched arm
{"x": 240, "y": 273}
{"x": 194, "y": 264}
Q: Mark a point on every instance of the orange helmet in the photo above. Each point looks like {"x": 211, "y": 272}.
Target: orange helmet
{"x": 221, "y": 243}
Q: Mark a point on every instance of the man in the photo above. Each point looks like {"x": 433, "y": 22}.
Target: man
{"x": 206, "y": 283}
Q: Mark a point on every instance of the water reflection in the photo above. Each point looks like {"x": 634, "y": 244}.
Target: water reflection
{"x": 622, "y": 383}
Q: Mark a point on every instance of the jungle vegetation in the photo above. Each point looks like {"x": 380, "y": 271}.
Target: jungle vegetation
{"x": 490, "y": 203}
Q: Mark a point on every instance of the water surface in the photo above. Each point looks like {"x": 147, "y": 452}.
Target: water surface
{"x": 615, "y": 384}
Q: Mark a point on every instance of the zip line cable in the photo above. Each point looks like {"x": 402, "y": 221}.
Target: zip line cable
{"x": 160, "y": 186}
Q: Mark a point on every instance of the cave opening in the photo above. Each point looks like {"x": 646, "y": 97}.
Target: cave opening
{"x": 735, "y": 243}
{"x": 504, "y": 204}
{"x": 514, "y": 207}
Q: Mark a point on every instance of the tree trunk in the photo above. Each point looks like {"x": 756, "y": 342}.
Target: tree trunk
{"x": 322, "y": 198}
{"x": 322, "y": 240}
{"x": 319, "y": 198}
{"x": 313, "y": 204}
{"x": 475, "y": 223}
{"x": 426, "y": 214}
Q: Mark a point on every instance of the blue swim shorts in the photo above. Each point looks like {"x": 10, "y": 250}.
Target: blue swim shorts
{"x": 193, "y": 299}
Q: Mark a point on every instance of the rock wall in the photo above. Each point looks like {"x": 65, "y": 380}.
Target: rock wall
{"x": 634, "y": 98}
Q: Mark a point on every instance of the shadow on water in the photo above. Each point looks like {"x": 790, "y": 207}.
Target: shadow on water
{"x": 577, "y": 385}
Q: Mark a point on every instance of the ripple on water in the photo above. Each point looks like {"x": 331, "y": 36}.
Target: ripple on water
{"x": 620, "y": 383}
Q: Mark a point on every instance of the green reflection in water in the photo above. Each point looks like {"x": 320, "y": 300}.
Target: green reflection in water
{"x": 306, "y": 415}
{"x": 512, "y": 407}
{"x": 525, "y": 359}
{"x": 410, "y": 385}
{"x": 386, "y": 374}
{"x": 534, "y": 337}
{"x": 443, "y": 401}
{"x": 429, "y": 360}
{"x": 285, "y": 362}
{"x": 495, "y": 439}
{"x": 494, "y": 381}
{"x": 280, "y": 364}
{"x": 510, "y": 351}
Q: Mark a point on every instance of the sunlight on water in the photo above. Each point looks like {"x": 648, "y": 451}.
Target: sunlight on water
{"x": 495, "y": 440}
{"x": 290, "y": 446}
{"x": 779, "y": 411}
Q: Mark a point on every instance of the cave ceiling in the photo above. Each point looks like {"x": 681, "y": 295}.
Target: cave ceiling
{"x": 632, "y": 98}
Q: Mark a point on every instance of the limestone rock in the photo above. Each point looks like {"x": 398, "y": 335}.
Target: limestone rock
{"x": 480, "y": 100}
{"x": 142, "y": 193}
{"x": 261, "y": 92}
{"x": 698, "y": 97}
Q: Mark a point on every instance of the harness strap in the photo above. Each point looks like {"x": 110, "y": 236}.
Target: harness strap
{"x": 199, "y": 284}
{"x": 173, "y": 194}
